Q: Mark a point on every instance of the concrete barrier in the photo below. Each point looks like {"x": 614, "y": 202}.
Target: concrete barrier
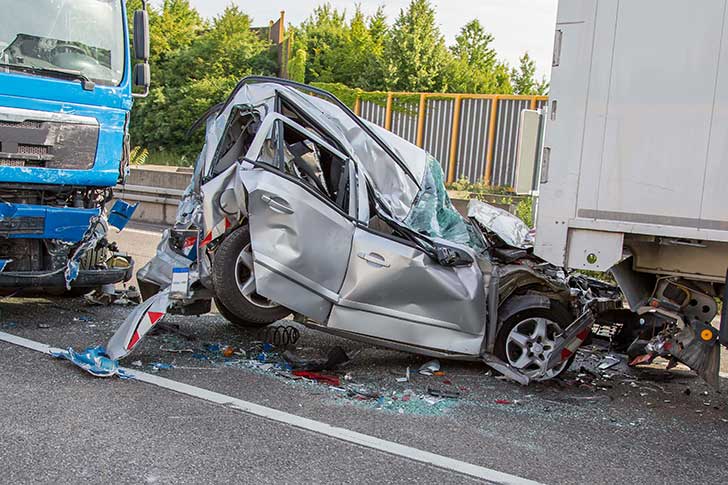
{"x": 158, "y": 190}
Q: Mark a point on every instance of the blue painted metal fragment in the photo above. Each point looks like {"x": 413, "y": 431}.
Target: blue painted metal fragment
{"x": 94, "y": 361}
{"x": 121, "y": 213}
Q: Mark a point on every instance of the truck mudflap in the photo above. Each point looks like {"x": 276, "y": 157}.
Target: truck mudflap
{"x": 697, "y": 346}
{"x": 139, "y": 322}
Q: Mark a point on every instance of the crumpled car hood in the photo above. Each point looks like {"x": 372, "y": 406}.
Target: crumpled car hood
{"x": 509, "y": 228}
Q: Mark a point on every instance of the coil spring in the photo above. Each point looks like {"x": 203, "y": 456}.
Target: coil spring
{"x": 280, "y": 335}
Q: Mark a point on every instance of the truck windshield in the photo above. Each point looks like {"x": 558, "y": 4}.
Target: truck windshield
{"x": 83, "y": 36}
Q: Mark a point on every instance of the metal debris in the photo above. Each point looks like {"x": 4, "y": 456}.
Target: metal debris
{"x": 93, "y": 360}
{"x": 429, "y": 367}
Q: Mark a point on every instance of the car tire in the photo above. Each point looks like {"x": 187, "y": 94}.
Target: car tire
{"x": 228, "y": 270}
{"x": 508, "y": 344}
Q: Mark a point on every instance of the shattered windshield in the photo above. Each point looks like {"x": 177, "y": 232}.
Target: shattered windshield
{"x": 434, "y": 215}
{"x": 85, "y": 36}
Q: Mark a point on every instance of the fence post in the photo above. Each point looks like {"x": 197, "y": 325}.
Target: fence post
{"x": 454, "y": 139}
{"x": 421, "y": 120}
{"x": 533, "y": 103}
{"x": 388, "y": 113}
{"x": 357, "y": 105}
{"x": 491, "y": 140}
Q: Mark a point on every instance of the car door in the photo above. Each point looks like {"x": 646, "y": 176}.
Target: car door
{"x": 394, "y": 290}
{"x": 300, "y": 226}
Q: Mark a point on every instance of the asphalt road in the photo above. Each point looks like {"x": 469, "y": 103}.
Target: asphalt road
{"x": 60, "y": 424}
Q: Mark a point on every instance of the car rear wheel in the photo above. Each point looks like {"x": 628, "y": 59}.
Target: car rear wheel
{"x": 234, "y": 282}
{"x": 527, "y": 338}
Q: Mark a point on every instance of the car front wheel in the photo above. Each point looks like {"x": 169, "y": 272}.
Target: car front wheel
{"x": 234, "y": 281}
{"x": 527, "y": 338}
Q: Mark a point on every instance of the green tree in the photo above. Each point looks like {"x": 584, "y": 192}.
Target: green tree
{"x": 335, "y": 50}
{"x": 323, "y": 35}
{"x": 297, "y": 65}
{"x": 524, "y": 78}
{"x": 196, "y": 75}
{"x": 474, "y": 67}
{"x": 415, "y": 51}
{"x": 378, "y": 28}
{"x": 472, "y": 45}
{"x": 172, "y": 26}
{"x": 361, "y": 65}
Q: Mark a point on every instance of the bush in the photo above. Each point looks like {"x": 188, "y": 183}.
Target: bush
{"x": 465, "y": 185}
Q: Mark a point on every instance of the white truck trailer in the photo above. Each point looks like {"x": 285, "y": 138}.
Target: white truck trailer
{"x": 634, "y": 168}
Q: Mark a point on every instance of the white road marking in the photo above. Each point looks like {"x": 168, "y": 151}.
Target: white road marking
{"x": 319, "y": 427}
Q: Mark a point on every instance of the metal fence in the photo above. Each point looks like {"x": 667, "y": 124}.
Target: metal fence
{"x": 474, "y": 136}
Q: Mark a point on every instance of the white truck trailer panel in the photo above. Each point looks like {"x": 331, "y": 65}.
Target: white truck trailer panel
{"x": 637, "y": 136}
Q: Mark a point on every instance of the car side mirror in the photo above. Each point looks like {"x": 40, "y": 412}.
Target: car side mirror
{"x": 450, "y": 256}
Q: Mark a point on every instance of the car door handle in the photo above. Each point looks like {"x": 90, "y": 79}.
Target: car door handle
{"x": 277, "y": 206}
{"x": 375, "y": 259}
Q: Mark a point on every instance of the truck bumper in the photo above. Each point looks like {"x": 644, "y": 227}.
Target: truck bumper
{"x": 85, "y": 279}
{"x": 24, "y": 221}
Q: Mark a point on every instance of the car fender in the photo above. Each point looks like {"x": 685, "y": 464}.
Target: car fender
{"x": 221, "y": 209}
{"x": 519, "y": 303}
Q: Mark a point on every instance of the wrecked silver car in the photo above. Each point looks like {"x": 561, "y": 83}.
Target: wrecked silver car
{"x": 299, "y": 206}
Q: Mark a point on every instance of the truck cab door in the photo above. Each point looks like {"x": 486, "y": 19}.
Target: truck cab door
{"x": 299, "y": 207}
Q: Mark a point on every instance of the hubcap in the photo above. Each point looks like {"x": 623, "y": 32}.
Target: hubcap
{"x": 529, "y": 345}
{"x": 245, "y": 279}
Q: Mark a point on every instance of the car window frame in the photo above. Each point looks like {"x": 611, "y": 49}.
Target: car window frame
{"x": 252, "y": 157}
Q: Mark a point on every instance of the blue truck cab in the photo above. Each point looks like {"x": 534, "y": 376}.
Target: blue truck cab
{"x": 66, "y": 83}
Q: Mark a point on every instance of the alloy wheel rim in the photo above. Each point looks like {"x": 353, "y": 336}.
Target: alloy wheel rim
{"x": 245, "y": 279}
{"x": 529, "y": 345}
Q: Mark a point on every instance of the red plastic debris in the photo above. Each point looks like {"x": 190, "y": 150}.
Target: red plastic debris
{"x": 332, "y": 380}
{"x": 503, "y": 401}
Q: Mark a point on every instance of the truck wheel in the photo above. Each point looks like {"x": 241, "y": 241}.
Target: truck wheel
{"x": 525, "y": 340}
{"x": 232, "y": 277}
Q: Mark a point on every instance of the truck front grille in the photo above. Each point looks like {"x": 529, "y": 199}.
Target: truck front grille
{"x": 26, "y": 142}
{"x": 33, "y": 149}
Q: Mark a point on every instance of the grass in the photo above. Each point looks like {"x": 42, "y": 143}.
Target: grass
{"x": 167, "y": 158}
{"x": 479, "y": 187}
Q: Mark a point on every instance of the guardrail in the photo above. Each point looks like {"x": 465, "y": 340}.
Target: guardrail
{"x": 472, "y": 135}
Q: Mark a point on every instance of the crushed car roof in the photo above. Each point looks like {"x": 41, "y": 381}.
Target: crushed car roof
{"x": 394, "y": 166}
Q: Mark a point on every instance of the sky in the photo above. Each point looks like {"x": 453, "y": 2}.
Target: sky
{"x": 518, "y": 25}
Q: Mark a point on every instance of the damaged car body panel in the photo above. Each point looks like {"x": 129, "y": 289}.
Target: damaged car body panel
{"x": 300, "y": 206}
{"x": 384, "y": 273}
